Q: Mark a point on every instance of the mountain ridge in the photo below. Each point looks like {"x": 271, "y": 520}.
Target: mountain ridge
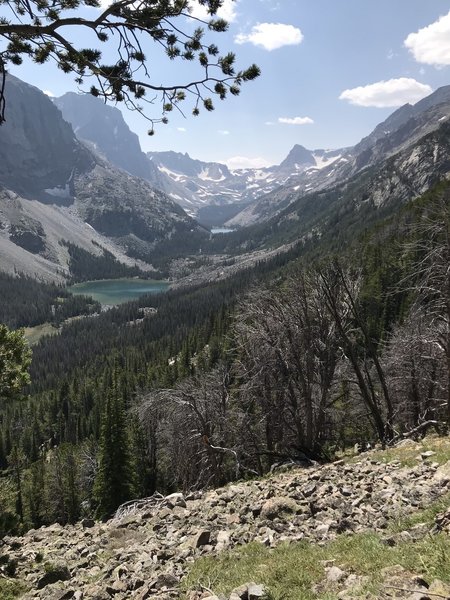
{"x": 55, "y": 189}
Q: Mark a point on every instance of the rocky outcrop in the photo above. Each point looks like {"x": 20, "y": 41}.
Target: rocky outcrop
{"x": 148, "y": 548}
{"x": 104, "y": 126}
{"x": 39, "y": 152}
{"x": 54, "y": 189}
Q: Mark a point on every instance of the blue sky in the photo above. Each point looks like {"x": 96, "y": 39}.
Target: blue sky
{"x": 317, "y": 58}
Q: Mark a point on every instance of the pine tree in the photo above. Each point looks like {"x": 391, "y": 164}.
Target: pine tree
{"x": 114, "y": 483}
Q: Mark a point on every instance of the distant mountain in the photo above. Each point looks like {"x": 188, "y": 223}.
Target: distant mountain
{"x": 213, "y": 193}
{"x": 55, "y": 189}
{"x": 184, "y": 164}
{"x": 207, "y": 191}
{"x": 400, "y": 131}
{"x": 104, "y": 126}
{"x": 298, "y": 158}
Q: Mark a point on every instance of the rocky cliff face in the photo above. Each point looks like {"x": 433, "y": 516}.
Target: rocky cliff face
{"x": 53, "y": 188}
{"x": 39, "y": 152}
{"x": 104, "y": 126}
{"x": 149, "y": 547}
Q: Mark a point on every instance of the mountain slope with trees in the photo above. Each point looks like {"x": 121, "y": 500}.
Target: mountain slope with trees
{"x": 224, "y": 380}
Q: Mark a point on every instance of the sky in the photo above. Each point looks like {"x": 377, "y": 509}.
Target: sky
{"x": 331, "y": 70}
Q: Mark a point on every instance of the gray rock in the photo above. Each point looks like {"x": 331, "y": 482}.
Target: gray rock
{"x": 87, "y": 523}
{"x": 167, "y": 580}
{"x": 62, "y": 595}
{"x": 255, "y": 591}
{"x": 240, "y": 593}
{"x": 223, "y": 539}
{"x": 427, "y": 454}
{"x": 202, "y": 538}
{"x": 56, "y": 573}
{"x": 335, "y": 574}
{"x": 176, "y": 499}
{"x": 277, "y": 507}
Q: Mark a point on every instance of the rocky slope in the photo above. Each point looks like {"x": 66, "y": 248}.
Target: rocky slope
{"x": 54, "y": 189}
{"x": 401, "y": 131}
{"x": 149, "y": 547}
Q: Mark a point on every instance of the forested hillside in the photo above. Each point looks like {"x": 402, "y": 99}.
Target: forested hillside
{"x": 297, "y": 358}
{"x": 25, "y": 302}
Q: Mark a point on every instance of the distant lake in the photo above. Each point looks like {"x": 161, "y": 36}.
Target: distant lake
{"x": 221, "y": 230}
{"x": 117, "y": 291}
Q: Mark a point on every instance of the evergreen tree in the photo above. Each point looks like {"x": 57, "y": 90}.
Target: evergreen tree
{"x": 114, "y": 482}
{"x": 15, "y": 356}
{"x": 37, "y": 30}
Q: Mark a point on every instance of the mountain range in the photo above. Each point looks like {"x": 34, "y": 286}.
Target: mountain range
{"x": 72, "y": 173}
{"x": 215, "y": 195}
{"x": 208, "y": 191}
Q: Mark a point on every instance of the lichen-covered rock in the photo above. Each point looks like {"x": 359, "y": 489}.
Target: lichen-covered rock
{"x": 278, "y": 507}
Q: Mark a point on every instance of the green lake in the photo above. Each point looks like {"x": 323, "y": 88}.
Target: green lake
{"x": 117, "y": 291}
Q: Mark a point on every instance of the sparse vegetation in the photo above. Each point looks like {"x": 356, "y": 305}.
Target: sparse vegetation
{"x": 10, "y": 589}
{"x": 296, "y": 571}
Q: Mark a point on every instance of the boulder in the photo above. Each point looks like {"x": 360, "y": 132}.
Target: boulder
{"x": 278, "y": 507}
{"x": 53, "y": 574}
{"x": 202, "y": 538}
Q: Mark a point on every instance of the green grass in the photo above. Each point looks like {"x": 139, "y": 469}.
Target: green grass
{"x": 10, "y": 589}
{"x": 34, "y": 334}
{"x": 408, "y": 455}
{"x": 426, "y": 515}
{"x": 296, "y": 571}
{"x": 291, "y": 570}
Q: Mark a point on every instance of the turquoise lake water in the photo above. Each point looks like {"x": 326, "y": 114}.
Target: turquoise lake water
{"x": 117, "y": 291}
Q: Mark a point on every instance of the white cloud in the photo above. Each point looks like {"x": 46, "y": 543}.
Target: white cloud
{"x": 223, "y": 132}
{"x": 295, "y": 120}
{"x": 431, "y": 45}
{"x": 384, "y": 94}
{"x": 246, "y": 162}
{"x": 270, "y": 123}
{"x": 271, "y": 36}
{"x": 182, "y": 129}
{"x": 227, "y": 11}
{"x": 49, "y": 93}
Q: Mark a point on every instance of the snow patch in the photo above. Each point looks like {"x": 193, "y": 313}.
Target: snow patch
{"x": 323, "y": 161}
{"x": 171, "y": 174}
{"x": 59, "y": 192}
{"x": 204, "y": 175}
{"x": 435, "y": 153}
